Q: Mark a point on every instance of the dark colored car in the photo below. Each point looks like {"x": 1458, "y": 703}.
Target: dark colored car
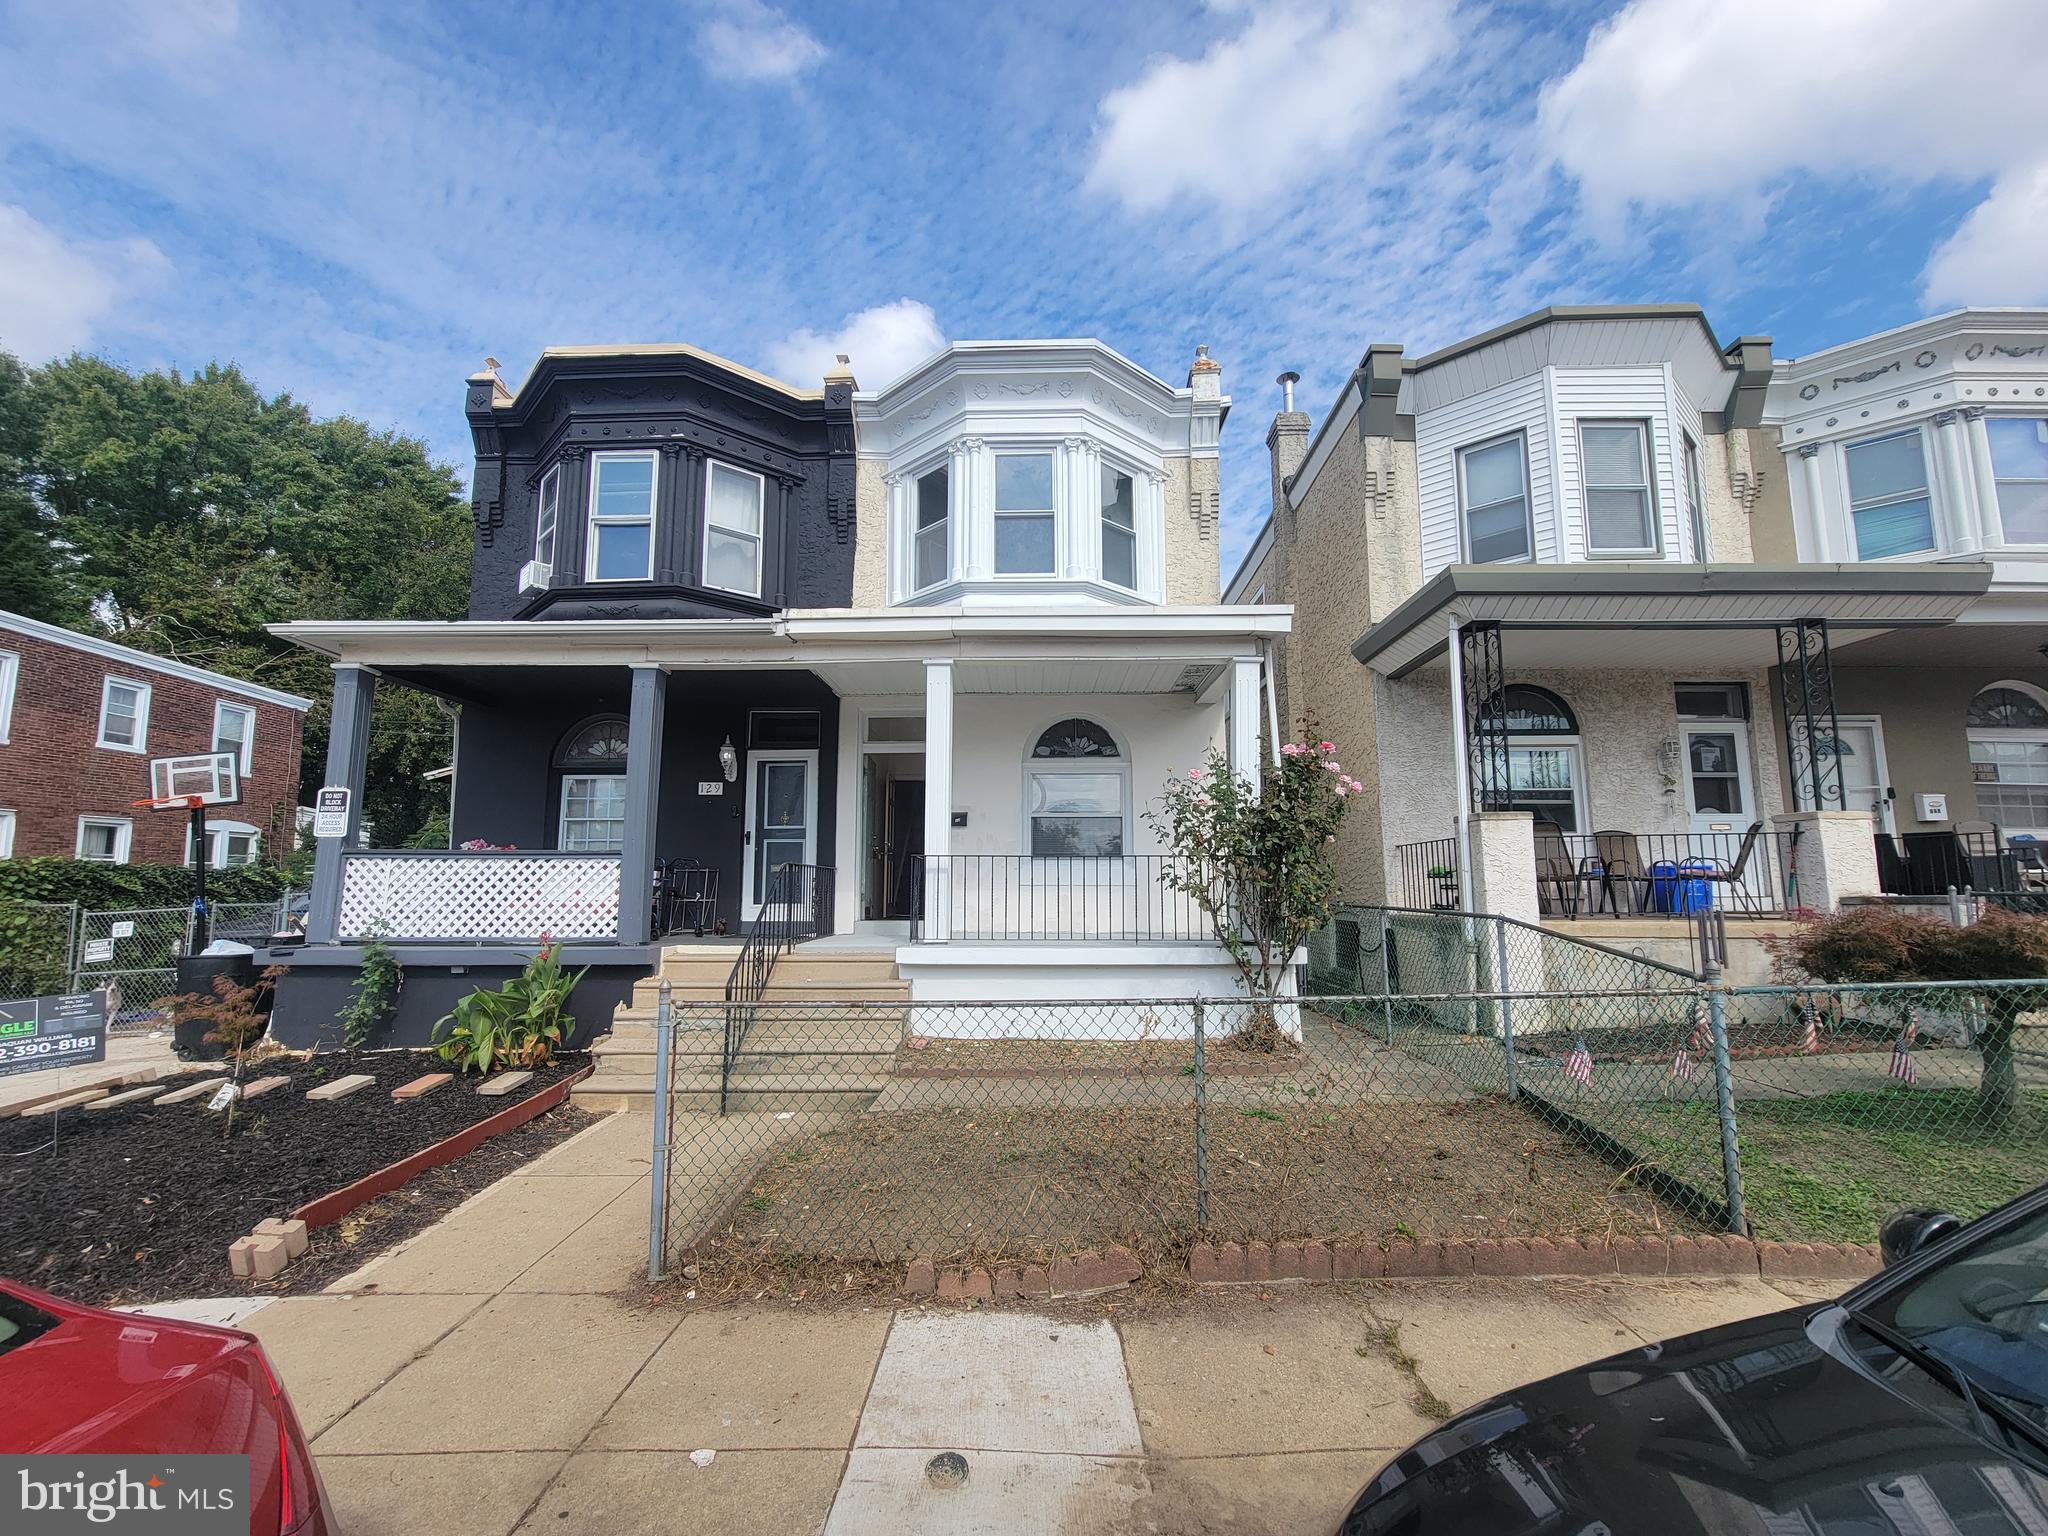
{"x": 1917, "y": 1402}
{"x": 79, "y": 1381}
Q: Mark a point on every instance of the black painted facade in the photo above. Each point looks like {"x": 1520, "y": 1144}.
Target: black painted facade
{"x": 690, "y": 411}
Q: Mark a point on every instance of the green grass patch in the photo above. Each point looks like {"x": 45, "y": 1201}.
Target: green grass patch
{"x": 1830, "y": 1168}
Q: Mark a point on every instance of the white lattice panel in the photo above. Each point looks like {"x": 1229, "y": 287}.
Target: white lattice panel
{"x": 480, "y": 896}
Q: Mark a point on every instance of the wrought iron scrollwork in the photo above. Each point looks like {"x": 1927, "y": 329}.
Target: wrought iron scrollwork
{"x": 1806, "y": 674}
{"x": 1486, "y": 721}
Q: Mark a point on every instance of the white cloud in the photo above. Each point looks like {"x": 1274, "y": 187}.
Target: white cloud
{"x": 1999, "y": 253}
{"x": 884, "y": 343}
{"x": 1267, "y": 109}
{"x": 750, "y": 40}
{"x": 55, "y": 294}
{"x": 1675, "y": 103}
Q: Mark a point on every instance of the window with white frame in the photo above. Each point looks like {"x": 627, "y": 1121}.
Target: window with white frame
{"x": 621, "y": 541}
{"x": 2007, "y": 728}
{"x": 1614, "y": 467}
{"x": 2019, "y": 465}
{"x": 733, "y": 509}
{"x": 1493, "y": 494}
{"x": 593, "y": 813}
{"x": 6, "y": 834}
{"x": 124, "y": 715}
{"x": 104, "y": 839}
{"x": 229, "y": 844}
{"x": 10, "y": 675}
{"x": 1545, "y": 772}
{"x": 547, "y": 517}
{"x": 234, "y": 730}
{"x": 1077, "y": 791}
{"x": 1695, "y": 498}
{"x": 1119, "y": 501}
{"x": 1024, "y": 514}
{"x": 931, "y": 553}
{"x": 1890, "y": 509}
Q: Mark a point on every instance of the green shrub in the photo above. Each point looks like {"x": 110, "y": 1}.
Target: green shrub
{"x": 520, "y": 1025}
{"x": 100, "y": 887}
{"x": 375, "y": 997}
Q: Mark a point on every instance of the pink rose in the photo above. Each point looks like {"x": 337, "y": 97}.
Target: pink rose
{"x": 1194, "y": 773}
{"x": 1325, "y": 746}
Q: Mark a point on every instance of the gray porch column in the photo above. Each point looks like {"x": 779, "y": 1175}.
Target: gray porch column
{"x": 643, "y": 801}
{"x": 348, "y": 757}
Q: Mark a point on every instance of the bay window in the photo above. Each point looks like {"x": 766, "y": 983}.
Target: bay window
{"x": 1695, "y": 499}
{"x": 732, "y": 529}
{"x": 2019, "y": 466}
{"x": 547, "y": 517}
{"x": 1024, "y": 514}
{"x": 1119, "y": 528}
{"x": 931, "y": 548}
{"x": 1890, "y": 509}
{"x": 1493, "y": 496}
{"x": 1614, "y": 465}
{"x": 621, "y": 540}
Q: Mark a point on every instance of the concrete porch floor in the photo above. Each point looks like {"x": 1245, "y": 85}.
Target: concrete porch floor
{"x": 500, "y": 1373}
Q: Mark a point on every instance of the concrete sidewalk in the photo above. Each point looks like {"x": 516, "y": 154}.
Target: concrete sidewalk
{"x": 498, "y": 1373}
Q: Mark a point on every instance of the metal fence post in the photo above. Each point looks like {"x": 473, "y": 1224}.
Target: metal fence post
{"x": 657, "y": 1199}
{"x": 1201, "y": 1118}
{"x": 1507, "y": 1010}
{"x": 1724, "y": 1090}
{"x": 1387, "y": 971}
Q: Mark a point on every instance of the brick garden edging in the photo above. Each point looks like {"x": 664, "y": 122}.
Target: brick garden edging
{"x": 1262, "y": 1263}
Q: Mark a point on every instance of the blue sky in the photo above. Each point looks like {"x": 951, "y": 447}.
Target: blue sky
{"x": 358, "y": 202}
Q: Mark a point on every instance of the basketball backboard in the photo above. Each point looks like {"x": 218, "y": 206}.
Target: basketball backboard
{"x": 212, "y": 778}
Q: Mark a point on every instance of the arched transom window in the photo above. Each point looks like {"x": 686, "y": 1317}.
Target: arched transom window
{"x": 2008, "y": 733}
{"x": 1076, "y": 792}
{"x": 592, "y": 760}
{"x": 1545, "y": 776}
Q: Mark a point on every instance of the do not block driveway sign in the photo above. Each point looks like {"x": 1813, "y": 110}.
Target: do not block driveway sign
{"x": 40, "y": 1032}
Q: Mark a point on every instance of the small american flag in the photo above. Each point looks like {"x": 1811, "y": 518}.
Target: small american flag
{"x": 1682, "y": 1065}
{"x": 1811, "y": 1014}
{"x": 1902, "y": 1050}
{"x": 1578, "y": 1063}
{"x": 1701, "y": 1038}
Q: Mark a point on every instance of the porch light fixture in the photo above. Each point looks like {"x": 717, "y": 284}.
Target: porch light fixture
{"x": 729, "y": 761}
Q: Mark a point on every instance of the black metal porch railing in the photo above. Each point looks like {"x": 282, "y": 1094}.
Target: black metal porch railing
{"x": 796, "y": 906}
{"x": 1028, "y": 898}
{"x": 1934, "y": 863}
{"x": 1428, "y": 874}
{"x": 1666, "y": 874}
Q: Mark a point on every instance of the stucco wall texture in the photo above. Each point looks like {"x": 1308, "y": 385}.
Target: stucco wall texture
{"x": 871, "y": 534}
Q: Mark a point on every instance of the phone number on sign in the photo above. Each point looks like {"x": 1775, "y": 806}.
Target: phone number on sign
{"x": 54, "y": 1045}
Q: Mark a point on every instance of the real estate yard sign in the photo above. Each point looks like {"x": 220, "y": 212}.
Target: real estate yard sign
{"x": 39, "y": 1032}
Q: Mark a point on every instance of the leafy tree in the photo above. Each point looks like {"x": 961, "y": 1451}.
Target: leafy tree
{"x": 193, "y": 511}
{"x": 35, "y": 578}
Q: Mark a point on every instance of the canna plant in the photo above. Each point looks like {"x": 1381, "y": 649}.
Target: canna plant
{"x": 521, "y": 1024}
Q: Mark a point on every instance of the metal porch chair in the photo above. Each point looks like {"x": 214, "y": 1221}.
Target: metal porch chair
{"x": 1557, "y": 876}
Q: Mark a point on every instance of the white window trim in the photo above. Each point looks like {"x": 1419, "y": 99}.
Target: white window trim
{"x": 1937, "y": 511}
{"x": 247, "y": 755}
{"x": 1691, "y": 466}
{"x": 1111, "y": 464}
{"x": 550, "y": 518}
{"x": 10, "y": 677}
{"x": 948, "y": 526}
{"x": 1996, "y": 509}
{"x": 1120, "y": 766}
{"x": 140, "y": 746}
{"x": 1654, "y": 550}
{"x": 1519, "y": 435}
{"x": 1056, "y": 512}
{"x": 562, "y": 806}
{"x": 6, "y": 834}
{"x": 592, "y": 522}
{"x": 124, "y": 837}
{"x": 712, "y": 466}
{"x": 217, "y": 835}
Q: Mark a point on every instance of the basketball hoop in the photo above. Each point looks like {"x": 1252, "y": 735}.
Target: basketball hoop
{"x": 191, "y": 784}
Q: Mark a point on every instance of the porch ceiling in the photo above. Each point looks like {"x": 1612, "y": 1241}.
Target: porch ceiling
{"x": 1629, "y": 614}
{"x": 2012, "y": 647}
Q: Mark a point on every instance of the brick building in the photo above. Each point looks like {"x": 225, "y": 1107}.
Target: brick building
{"x": 80, "y": 719}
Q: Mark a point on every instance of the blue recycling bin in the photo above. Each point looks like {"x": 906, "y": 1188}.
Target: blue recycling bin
{"x": 1695, "y": 891}
{"x": 1664, "y": 886}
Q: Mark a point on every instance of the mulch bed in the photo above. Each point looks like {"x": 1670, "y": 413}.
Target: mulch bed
{"x": 139, "y": 1203}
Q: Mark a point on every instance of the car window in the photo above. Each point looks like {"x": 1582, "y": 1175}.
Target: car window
{"x": 20, "y": 1322}
{"x": 1986, "y": 1313}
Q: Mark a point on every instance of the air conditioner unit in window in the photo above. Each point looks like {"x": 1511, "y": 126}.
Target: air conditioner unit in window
{"x": 533, "y": 576}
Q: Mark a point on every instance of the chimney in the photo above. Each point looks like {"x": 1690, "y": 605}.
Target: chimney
{"x": 1205, "y": 375}
{"x": 1287, "y": 438}
{"x": 841, "y": 371}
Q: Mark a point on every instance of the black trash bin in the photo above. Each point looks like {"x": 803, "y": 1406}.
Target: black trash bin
{"x": 196, "y": 973}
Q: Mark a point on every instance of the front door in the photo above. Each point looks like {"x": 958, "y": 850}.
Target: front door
{"x": 1719, "y": 796}
{"x": 782, "y": 818}
{"x": 906, "y": 843}
{"x": 1866, "y": 783}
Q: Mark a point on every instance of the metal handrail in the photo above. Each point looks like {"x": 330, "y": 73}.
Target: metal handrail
{"x": 1061, "y": 898}
{"x": 794, "y": 907}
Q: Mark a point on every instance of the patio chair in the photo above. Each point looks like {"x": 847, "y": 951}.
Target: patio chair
{"x": 1617, "y": 858}
{"x": 1716, "y": 872}
{"x": 1557, "y": 877}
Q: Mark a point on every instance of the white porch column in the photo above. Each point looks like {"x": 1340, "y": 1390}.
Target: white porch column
{"x": 1816, "y": 506}
{"x": 1244, "y": 720}
{"x": 1957, "y": 484}
{"x": 1076, "y": 538}
{"x": 645, "y": 716}
{"x": 1504, "y": 866}
{"x": 970, "y": 487}
{"x": 348, "y": 757}
{"x": 1836, "y": 856}
{"x": 899, "y": 533}
{"x": 1150, "y": 492}
{"x": 938, "y": 800}
{"x": 1977, "y": 451}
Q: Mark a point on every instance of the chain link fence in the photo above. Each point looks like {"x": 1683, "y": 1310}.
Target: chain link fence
{"x": 132, "y": 952}
{"x": 1447, "y": 1076}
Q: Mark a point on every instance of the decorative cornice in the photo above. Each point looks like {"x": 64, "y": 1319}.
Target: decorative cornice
{"x": 1973, "y": 413}
{"x": 1809, "y": 450}
{"x": 1944, "y": 418}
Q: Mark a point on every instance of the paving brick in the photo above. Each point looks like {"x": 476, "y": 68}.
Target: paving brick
{"x": 242, "y": 1258}
{"x": 503, "y": 1083}
{"x": 919, "y": 1278}
{"x": 1317, "y": 1263}
{"x": 1641, "y": 1256}
{"x": 1086, "y": 1272}
{"x": 132, "y": 1096}
{"x": 114, "y": 1078}
{"x": 980, "y": 1286}
{"x": 1203, "y": 1267}
{"x": 1404, "y": 1260}
{"x": 1229, "y": 1262}
{"x": 1258, "y": 1261}
{"x": 1789, "y": 1260}
{"x": 68, "y": 1101}
{"x": 1288, "y": 1263}
{"x": 1357, "y": 1261}
{"x": 296, "y": 1238}
{"x": 205, "y": 1085}
{"x": 267, "y": 1257}
{"x": 340, "y": 1088}
{"x": 1009, "y": 1281}
{"x": 1037, "y": 1280}
{"x": 1452, "y": 1258}
{"x": 261, "y": 1086}
{"x": 422, "y": 1085}
{"x": 952, "y": 1285}
{"x": 1547, "y": 1258}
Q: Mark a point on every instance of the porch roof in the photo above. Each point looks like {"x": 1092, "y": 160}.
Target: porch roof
{"x": 1678, "y": 615}
{"x": 1101, "y": 649}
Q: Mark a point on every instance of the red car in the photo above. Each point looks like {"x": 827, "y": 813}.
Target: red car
{"x": 82, "y": 1381}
